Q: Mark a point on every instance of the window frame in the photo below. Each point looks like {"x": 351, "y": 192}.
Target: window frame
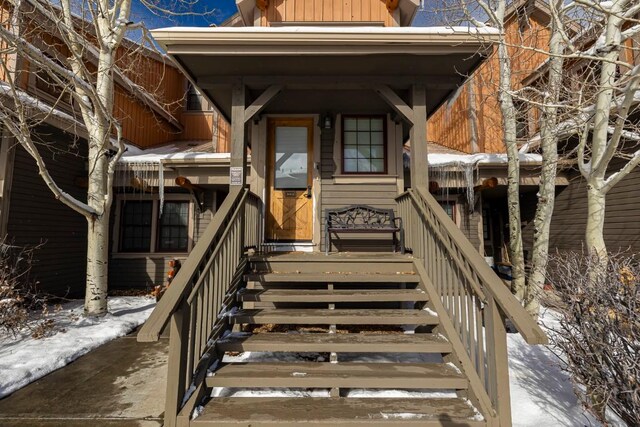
{"x": 121, "y": 226}
{"x": 117, "y": 251}
{"x": 385, "y": 143}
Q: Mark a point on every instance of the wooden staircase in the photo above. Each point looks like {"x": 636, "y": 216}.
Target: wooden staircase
{"x": 340, "y": 339}
{"x": 324, "y": 330}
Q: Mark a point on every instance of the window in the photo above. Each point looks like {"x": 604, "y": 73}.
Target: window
{"x": 450, "y": 208}
{"x": 173, "y": 227}
{"x": 195, "y": 101}
{"x": 143, "y": 230}
{"x": 363, "y": 145}
{"x": 136, "y": 226}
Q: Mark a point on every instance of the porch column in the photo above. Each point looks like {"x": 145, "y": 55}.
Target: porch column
{"x": 419, "y": 164}
{"x": 238, "y": 164}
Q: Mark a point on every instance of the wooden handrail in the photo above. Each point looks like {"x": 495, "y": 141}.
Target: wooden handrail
{"x": 180, "y": 286}
{"x": 491, "y": 283}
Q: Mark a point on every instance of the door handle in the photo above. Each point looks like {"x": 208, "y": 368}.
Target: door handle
{"x": 308, "y": 195}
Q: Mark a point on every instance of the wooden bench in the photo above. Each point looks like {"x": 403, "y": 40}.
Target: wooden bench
{"x": 363, "y": 219}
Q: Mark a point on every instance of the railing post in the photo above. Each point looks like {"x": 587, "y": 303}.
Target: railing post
{"x": 498, "y": 363}
{"x": 176, "y": 366}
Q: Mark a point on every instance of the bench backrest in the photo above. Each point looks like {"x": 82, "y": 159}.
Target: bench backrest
{"x": 360, "y": 216}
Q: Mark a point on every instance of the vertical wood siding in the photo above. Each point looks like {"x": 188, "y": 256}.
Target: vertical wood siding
{"x": 327, "y": 11}
{"x": 35, "y": 216}
{"x": 450, "y": 125}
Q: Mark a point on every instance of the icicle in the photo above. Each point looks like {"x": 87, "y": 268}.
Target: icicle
{"x": 161, "y": 185}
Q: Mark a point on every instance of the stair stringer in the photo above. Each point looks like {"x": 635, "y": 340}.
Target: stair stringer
{"x": 477, "y": 393}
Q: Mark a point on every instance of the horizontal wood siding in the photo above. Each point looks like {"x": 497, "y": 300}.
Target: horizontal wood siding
{"x": 327, "y": 11}
{"x": 622, "y": 224}
{"x": 35, "y": 216}
{"x": 336, "y": 196}
{"x": 150, "y": 270}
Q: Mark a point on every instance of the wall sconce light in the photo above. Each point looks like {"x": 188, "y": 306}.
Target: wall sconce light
{"x": 327, "y": 122}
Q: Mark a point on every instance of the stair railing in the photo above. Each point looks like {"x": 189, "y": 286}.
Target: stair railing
{"x": 200, "y": 296}
{"x": 476, "y": 301}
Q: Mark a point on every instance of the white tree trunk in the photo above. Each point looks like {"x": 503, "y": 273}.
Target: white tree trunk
{"x": 547, "y": 187}
{"x": 97, "y": 263}
{"x": 513, "y": 172}
{"x": 594, "y": 236}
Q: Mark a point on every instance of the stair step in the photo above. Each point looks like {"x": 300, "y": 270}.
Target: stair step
{"x": 332, "y": 296}
{"x": 295, "y": 316}
{"x": 303, "y": 278}
{"x": 344, "y": 375}
{"x": 339, "y": 343}
{"x": 320, "y": 263}
{"x": 324, "y": 412}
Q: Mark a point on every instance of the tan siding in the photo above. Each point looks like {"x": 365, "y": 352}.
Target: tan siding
{"x": 327, "y": 11}
{"x": 35, "y": 216}
{"x": 336, "y": 196}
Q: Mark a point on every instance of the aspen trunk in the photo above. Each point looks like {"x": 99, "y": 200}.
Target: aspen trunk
{"x": 98, "y": 228}
{"x": 97, "y": 263}
{"x": 547, "y": 187}
{"x": 513, "y": 173}
{"x": 594, "y": 236}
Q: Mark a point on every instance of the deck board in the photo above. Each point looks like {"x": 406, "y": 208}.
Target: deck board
{"x": 339, "y": 343}
{"x": 324, "y": 412}
{"x": 345, "y": 375}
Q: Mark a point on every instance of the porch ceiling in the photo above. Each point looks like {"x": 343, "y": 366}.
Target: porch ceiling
{"x": 325, "y": 68}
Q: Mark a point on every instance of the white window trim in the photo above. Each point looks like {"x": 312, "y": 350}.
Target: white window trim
{"x": 120, "y": 198}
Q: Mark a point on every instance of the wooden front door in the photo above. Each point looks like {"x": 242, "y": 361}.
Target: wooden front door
{"x": 289, "y": 180}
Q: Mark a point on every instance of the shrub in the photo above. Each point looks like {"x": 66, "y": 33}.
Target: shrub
{"x": 18, "y": 294}
{"x": 598, "y": 331}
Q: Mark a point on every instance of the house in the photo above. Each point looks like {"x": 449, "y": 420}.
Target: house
{"x": 29, "y": 213}
{"x": 320, "y": 97}
{"x": 470, "y": 124}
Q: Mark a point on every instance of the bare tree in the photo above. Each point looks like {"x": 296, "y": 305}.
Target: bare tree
{"x": 520, "y": 52}
{"x": 606, "y": 103}
{"x": 78, "y": 47}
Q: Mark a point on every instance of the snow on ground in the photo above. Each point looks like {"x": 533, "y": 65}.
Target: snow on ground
{"x": 541, "y": 393}
{"x": 24, "y": 359}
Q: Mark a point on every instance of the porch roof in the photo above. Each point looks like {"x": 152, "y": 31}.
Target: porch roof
{"x": 324, "y": 65}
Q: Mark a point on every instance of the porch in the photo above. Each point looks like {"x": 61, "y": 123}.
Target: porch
{"x": 298, "y": 98}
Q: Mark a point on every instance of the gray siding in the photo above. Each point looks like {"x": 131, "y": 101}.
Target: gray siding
{"x": 622, "y": 226}
{"x": 471, "y": 224}
{"x": 150, "y": 270}
{"x": 335, "y": 196}
{"x": 35, "y": 216}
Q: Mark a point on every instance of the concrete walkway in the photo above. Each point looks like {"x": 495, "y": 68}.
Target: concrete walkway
{"x": 121, "y": 384}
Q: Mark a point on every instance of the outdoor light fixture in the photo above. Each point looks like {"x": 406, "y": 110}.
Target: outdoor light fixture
{"x": 327, "y": 121}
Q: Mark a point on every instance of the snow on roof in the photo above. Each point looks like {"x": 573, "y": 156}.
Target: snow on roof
{"x": 178, "y": 150}
{"x": 444, "y": 160}
{"x": 326, "y": 29}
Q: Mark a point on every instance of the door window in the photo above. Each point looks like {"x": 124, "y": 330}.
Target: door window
{"x": 291, "y": 158}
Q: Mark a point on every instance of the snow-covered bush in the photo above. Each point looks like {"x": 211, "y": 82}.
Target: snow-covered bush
{"x": 599, "y": 330}
{"x": 17, "y": 289}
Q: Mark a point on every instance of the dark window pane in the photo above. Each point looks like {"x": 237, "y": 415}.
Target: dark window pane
{"x": 136, "y": 226}
{"x": 173, "y": 227}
